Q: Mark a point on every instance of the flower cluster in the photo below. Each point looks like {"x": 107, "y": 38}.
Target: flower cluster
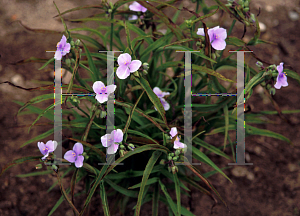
{"x": 160, "y": 95}
{"x": 62, "y": 48}
{"x": 135, "y": 6}
{"x": 216, "y": 35}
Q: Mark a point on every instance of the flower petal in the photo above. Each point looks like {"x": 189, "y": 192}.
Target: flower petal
{"x": 157, "y": 91}
{"x": 111, "y": 88}
{"x": 66, "y": 49}
{"x": 57, "y": 55}
{"x": 165, "y": 104}
{"x": 221, "y": 32}
{"x": 173, "y": 131}
{"x": 78, "y": 148}
{"x": 118, "y": 135}
{"x": 101, "y": 98}
{"x": 133, "y": 17}
{"x": 46, "y": 155}
{"x": 178, "y": 144}
{"x": 218, "y": 44}
{"x": 112, "y": 149}
{"x": 69, "y": 156}
{"x": 280, "y": 67}
{"x": 201, "y": 32}
{"x": 79, "y": 161}
{"x": 123, "y": 59}
{"x": 143, "y": 9}
{"x": 135, "y": 7}
{"x": 42, "y": 146}
{"x": 50, "y": 146}
{"x": 97, "y": 87}
{"x": 63, "y": 41}
{"x": 123, "y": 72}
{"x": 105, "y": 140}
{"x": 135, "y": 65}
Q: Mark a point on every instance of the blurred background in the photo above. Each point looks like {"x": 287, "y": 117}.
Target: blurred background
{"x": 270, "y": 187}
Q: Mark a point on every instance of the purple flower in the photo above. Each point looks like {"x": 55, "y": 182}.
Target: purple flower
{"x": 126, "y": 66}
{"x": 137, "y": 7}
{"x": 165, "y": 104}
{"x": 177, "y": 144}
{"x": 160, "y": 95}
{"x": 217, "y": 37}
{"x": 102, "y": 92}
{"x": 45, "y": 149}
{"x": 62, "y": 48}
{"x": 108, "y": 141}
{"x": 75, "y": 155}
{"x": 281, "y": 78}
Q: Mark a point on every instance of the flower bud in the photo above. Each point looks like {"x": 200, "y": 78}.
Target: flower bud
{"x": 73, "y": 61}
{"x": 39, "y": 166}
{"x": 198, "y": 43}
{"x": 246, "y": 9}
{"x": 177, "y": 152}
{"x": 169, "y": 169}
{"x": 172, "y": 154}
{"x": 272, "y": 91}
{"x": 109, "y": 10}
{"x": 169, "y": 157}
{"x": 213, "y": 56}
{"x": 269, "y": 86}
{"x": 84, "y": 154}
{"x": 131, "y": 146}
{"x": 72, "y": 43}
{"x": 102, "y": 114}
{"x": 136, "y": 73}
{"x": 145, "y": 65}
{"x": 175, "y": 158}
{"x": 122, "y": 146}
{"x": 55, "y": 168}
{"x": 111, "y": 5}
{"x": 145, "y": 72}
{"x": 162, "y": 162}
{"x": 68, "y": 62}
{"x": 77, "y": 43}
{"x": 252, "y": 16}
{"x": 122, "y": 153}
{"x": 174, "y": 169}
{"x": 263, "y": 84}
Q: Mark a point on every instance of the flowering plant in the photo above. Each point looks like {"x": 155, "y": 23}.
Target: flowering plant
{"x": 144, "y": 134}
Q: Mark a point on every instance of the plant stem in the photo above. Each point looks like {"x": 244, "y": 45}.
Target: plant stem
{"x": 229, "y": 32}
{"x": 111, "y": 31}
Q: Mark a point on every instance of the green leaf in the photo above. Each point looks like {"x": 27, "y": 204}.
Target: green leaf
{"x": 153, "y": 97}
{"x": 292, "y": 74}
{"x": 146, "y": 175}
{"x": 104, "y": 199}
{"x": 45, "y": 172}
{"x": 91, "y": 63}
{"x": 39, "y": 137}
{"x": 80, "y": 8}
{"x": 155, "y": 199}
{"x": 149, "y": 182}
{"x": 41, "y": 114}
{"x": 48, "y": 62}
{"x": 263, "y": 132}
{"x": 19, "y": 161}
{"x": 202, "y": 157}
{"x": 234, "y": 41}
{"x": 92, "y": 41}
{"x": 184, "y": 211}
{"x": 120, "y": 189}
{"x": 169, "y": 199}
{"x": 177, "y": 189}
{"x": 226, "y": 117}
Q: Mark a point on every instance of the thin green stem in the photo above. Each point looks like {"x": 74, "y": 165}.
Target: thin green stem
{"x": 111, "y": 31}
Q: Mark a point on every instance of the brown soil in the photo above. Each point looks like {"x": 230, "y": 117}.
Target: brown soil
{"x": 270, "y": 187}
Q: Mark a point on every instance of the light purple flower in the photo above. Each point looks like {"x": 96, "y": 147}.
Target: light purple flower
{"x": 62, "y": 48}
{"x": 45, "y": 149}
{"x": 110, "y": 140}
{"x": 133, "y": 17}
{"x": 216, "y": 35}
{"x": 137, "y": 7}
{"x": 281, "y": 78}
{"x": 159, "y": 93}
{"x": 102, "y": 92}
{"x": 75, "y": 155}
{"x": 165, "y": 104}
{"x": 177, "y": 144}
{"x": 126, "y": 66}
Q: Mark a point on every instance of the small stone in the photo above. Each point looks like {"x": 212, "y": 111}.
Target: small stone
{"x": 250, "y": 176}
{"x": 247, "y": 157}
{"x": 246, "y": 39}
{"x": 17, "y": 79}
{"x": 292, "y": 167}
{"x": 163, "y": 31}
{"x": 66, "y": 76}
{"x": 275, "y": 22}
{"x": 262, "y": 27}
{"x": 239, "y": 171}
{"x": 269, "y": 8}
{"x": 293, "y": 15}
{"x": 257, "y": 150}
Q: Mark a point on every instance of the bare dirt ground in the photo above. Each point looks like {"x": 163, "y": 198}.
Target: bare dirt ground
{"x": 269, "y": 188}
